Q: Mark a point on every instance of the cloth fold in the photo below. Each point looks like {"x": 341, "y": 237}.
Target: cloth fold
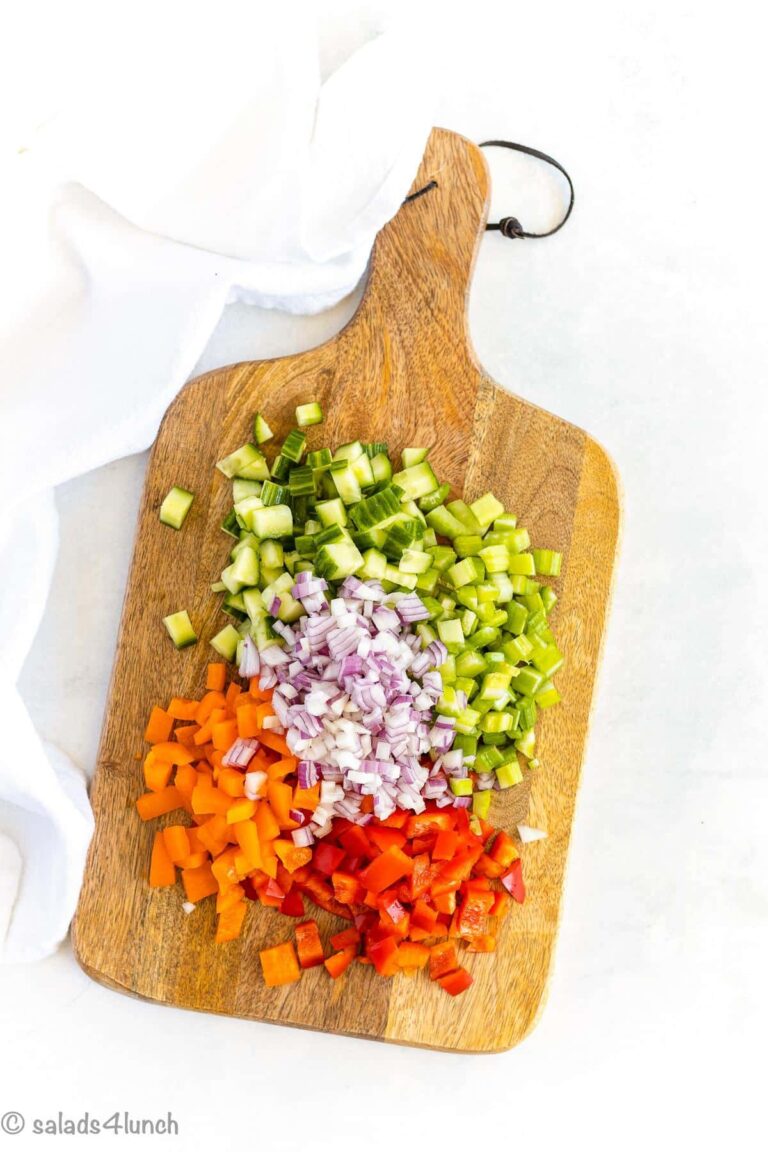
{"x": 129, "y": 229}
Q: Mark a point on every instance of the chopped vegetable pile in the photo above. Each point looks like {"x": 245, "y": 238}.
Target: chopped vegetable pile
{"x": 397, "y": 650}
{"x": 414, "y": 888}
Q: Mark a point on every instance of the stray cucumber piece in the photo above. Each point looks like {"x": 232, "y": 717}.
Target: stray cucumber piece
{"x": 247, "y": 462}
{"x": 180, "y": 629}
{"x": 417, "y": 481}
{"x": 261, "y": 430}
{"x": 174, "y": 509}
{"x": 411, "y": 456}
{"x": 308, "y": 414}
{"x": 226, "y": 642}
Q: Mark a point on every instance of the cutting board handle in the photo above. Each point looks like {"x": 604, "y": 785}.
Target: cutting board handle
{"x": 422, "y": 262}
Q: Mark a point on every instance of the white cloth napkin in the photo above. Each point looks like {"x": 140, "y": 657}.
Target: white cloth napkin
{"x": 215, "y": 166}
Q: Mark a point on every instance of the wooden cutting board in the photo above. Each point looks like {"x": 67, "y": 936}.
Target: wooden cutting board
{"x": 403, "y": 370}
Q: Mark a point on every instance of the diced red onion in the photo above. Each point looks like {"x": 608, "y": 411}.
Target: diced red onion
{"x": 250, "y": 662}
{"x": 240, "y": 753}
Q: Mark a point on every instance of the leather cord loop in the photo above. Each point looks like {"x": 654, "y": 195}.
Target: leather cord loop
{"x": 510, "y": 226}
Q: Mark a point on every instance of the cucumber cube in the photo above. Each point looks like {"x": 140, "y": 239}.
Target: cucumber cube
{"x": 180, "y": 629}
{"x": 174, "y": 509}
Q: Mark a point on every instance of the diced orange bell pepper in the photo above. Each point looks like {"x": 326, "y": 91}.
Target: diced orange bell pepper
{"x": 279, "y": 965}
{"x": 198, "y": 883}
{"x": 483, "y": 943}
{"x": 177, "y": 842}
{"x": 411, "y": 955}
{"x": 216, "y": 677}
{"x": 157, "y": 773}
{"x": 224, "y": 734}
{"x": 230, "y": 923}
{"x": 280, "y": 796}
{"x": 154, "y": 804}
{"x": 248, "y": 839}
{"x": 240, "y": 810}
{"x": 181, "y": 709}
{"x": 232, "y": 782}
{"x": 339, "y": 962}
{"x": 268, "y": 827}
{"x": 159, "y": 727}
{"x": 161, "y": 870}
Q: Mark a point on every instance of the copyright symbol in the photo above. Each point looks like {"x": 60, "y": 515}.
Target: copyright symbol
{"x": 12, "y": 1123}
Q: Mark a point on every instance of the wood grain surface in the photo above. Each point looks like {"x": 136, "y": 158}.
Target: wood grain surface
{"x": 403, "y": 370}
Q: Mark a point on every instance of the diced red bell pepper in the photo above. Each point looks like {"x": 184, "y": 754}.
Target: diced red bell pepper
{"x": 355, "y": 842}
{"x": 386, "y": 870}
{"x": 309, "y": 945}
{"x": 443, "y": 958}
{"x": 340, "y": 961}
{"x": 316, "y": 888}
{"x": 345, "y": 939}
{"x": 424, "y": 916}
{"x": 396, "y": 820}
{"x": 445, "y": 901}
{"x": 326, "y": 858}
{"x": 487, "y": 866}
{"x": 421, "y": 877}
{"x": 475, "y": 906}
{"x": 503, "y": 850}
{"x": 384, "y": 838}
{"x": 383, "y": 955}
{"x": 429, "y": 822}
{"x": 513, "y": 881}
{"x": 461, "y": 866}
{"x": 446, "y": 845}
{"x": 501, "y": 904}
{"x": 456, "y": 982}
{"x": 347, "y": 888}
{"x": 411, "y": 955}
{"x": 293, "y": 905}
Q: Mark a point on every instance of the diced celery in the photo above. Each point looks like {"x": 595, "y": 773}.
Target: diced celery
{"x": 504, "y": 523}
{"x": 494, "y": 685}
{"x": 496, "y": 722}
{"x": 518, "y": 540}
{"x": 521, "y": 564}
{"x": 448, "y": 704}
{"x": 548, "y": 598}
{"x": 509, "y": 774}
{"x": 469, "y": 546}
{"x": 486, "y": 509}
{"x": 451, "y": 634}
{"x": 468, "y": 621}
{"x": 496, "y": 558}
{"x": 547, "y": 562}
{"x": 442, "y": 557}
{"x": 434, "y": 607}
{"x": 466, "y": 516}
{"x": 548, "y": 660}
{"x": 529, "y": 681}
{"x": 461, "y": 787}
{"x": 526, "y": 743}
{"x": 547, "y": 696}
{"x": 470, "y": 663}
{"x": 483, "y": 638}
{"x": 481, "y": 803}
{"x": 467, "y": 571}
{"x": 467, "y": 720}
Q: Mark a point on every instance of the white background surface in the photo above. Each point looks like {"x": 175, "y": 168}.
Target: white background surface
{"x": 643, "y": 322}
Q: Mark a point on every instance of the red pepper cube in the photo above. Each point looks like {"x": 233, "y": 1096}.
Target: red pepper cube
{"x": 383, "y": 955}
{"x": 386, "y": 870}
{"x": 326, "y": 858}
{"x": 503, "y": 850}
{"x": 446, "y": 846}
{"x": 309, "y": 944}
{"x": 339, "y": 962}
{"x": 293, "y": 905}
{"x": 456, "y": 982}
{"x": 513, "y": 881}
{"x": 443, "y": 959}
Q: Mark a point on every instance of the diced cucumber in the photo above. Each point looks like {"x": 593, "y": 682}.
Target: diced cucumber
{"x": 434, "y": 499}
{"x": 254, "y": 603}
{"x": 417, "y": 481}
{"x": 363, "y": 470}
{"x": 445, "y": 524}
{"x": 467, "y": 571}
{"x": 180, "y": 629}
{"x": 402, "y": 579}
{"x": 331, "y": 512}
{"x": 261, "y": 430}
{"x": 346, "y": 484}
{"x": 349, "y": 451}
{"x": 374, "y": 566}
{"x": 243, "y": 572}
{"x": 308, "y": 414}
{"x": 226, "y": 642}
{"x": 339, "y": 560}
{"x": 411, "y": 456}
{"x": 414, "y": 561}
{"x": 294, "y": 445}
{"x": 174, "y": 509}
{"x": 245, "y": 489}
{"x": 281, "y": 468}
{"x": 272, "y": 523}
{"x": 271, "y": 554}
{"x": 247, "y": 463}
{"x": 381, "y": 467}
